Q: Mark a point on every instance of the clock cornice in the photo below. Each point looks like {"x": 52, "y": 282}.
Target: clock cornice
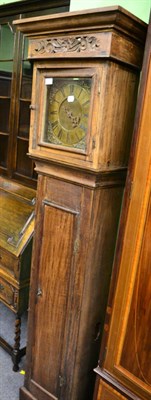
{"x": 97, "y": 33}
{"x": 114, "y": 17}
{"x": 105, "y": 44}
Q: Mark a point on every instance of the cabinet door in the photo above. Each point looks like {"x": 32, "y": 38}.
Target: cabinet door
{"x": 136, "y": 347}
{"x": 14, "y": 105}
{"x": 21, "y": 164}
{"x": 15, "y": 89}
{"x": 6, "y": 75}
{"x": 57, "y": 290}
{"x": 69, "y": 283}
{"x": 128, "y": 355}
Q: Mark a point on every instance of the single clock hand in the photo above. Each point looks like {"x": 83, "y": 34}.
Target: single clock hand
{"x": 74, "y": 119}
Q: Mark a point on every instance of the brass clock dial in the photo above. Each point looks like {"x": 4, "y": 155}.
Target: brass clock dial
{"x": 67, "y": 112}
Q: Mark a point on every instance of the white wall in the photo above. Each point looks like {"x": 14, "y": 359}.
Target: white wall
{"x": 7, "y": 1}
{"x": 140, "y": 8}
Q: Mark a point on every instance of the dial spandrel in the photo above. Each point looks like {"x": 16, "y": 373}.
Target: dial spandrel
{"x": 67, "y": 112}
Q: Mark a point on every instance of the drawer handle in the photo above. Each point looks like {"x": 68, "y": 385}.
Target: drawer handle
{"x": 1, "y": 287}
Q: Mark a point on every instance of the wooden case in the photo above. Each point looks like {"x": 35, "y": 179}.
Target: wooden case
{"x": 79, "y": 195}
{"x": 125, "y": 359}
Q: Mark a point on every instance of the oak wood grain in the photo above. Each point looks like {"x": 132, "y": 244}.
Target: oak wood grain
{"x": 127, "y": 326}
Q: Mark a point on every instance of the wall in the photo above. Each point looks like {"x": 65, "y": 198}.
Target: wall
{"x": 7, "y": 1}
{"x": 140, "y": 8}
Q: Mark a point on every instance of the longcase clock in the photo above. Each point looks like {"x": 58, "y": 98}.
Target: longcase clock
{"x": 85, "y": 81}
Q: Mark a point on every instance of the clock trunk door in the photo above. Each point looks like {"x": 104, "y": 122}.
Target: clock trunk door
{"x": 58, "y": 290}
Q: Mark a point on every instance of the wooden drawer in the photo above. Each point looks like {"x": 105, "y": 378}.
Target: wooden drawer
{"x": 9, "y": 262}
{"x": 8, "y": 294}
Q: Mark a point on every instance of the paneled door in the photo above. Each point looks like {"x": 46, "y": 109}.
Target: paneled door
{"x": 126, "y": 366}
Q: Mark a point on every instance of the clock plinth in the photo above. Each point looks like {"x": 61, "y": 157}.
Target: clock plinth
{"x": 85, "y": 80}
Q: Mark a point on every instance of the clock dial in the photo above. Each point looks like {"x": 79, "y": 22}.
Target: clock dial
{"x": 67, "y": 112}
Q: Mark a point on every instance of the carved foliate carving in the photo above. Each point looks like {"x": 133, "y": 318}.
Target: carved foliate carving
{"x": 62, "y": 45}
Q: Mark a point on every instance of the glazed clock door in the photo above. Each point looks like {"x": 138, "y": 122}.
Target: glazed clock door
{"x": 62, "y": 115}
{"x": 66, "y": 111}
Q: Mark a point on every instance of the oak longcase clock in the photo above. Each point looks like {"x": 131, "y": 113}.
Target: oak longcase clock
{"x": 85, "y": 81}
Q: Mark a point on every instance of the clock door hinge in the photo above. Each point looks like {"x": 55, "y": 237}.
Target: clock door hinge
{"x": 62, "y": 381}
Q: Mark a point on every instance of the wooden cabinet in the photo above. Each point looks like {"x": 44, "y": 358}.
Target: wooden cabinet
{"x": 83, "y": 104}
{"x": 125, "y": 359}
{"x": 15, "y": 89}
{"x": 17, "y": 204}
{"x": 106, "y": 392}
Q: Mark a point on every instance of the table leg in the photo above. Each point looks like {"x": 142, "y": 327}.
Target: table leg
{"x": 16, "y": 347}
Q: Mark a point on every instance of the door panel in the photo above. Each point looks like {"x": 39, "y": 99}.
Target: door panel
{"x": 55, "y": 280}
{"x": 136, "y": 352}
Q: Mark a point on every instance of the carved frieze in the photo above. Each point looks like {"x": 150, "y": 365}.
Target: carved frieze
{"x": 51, "y": 46}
